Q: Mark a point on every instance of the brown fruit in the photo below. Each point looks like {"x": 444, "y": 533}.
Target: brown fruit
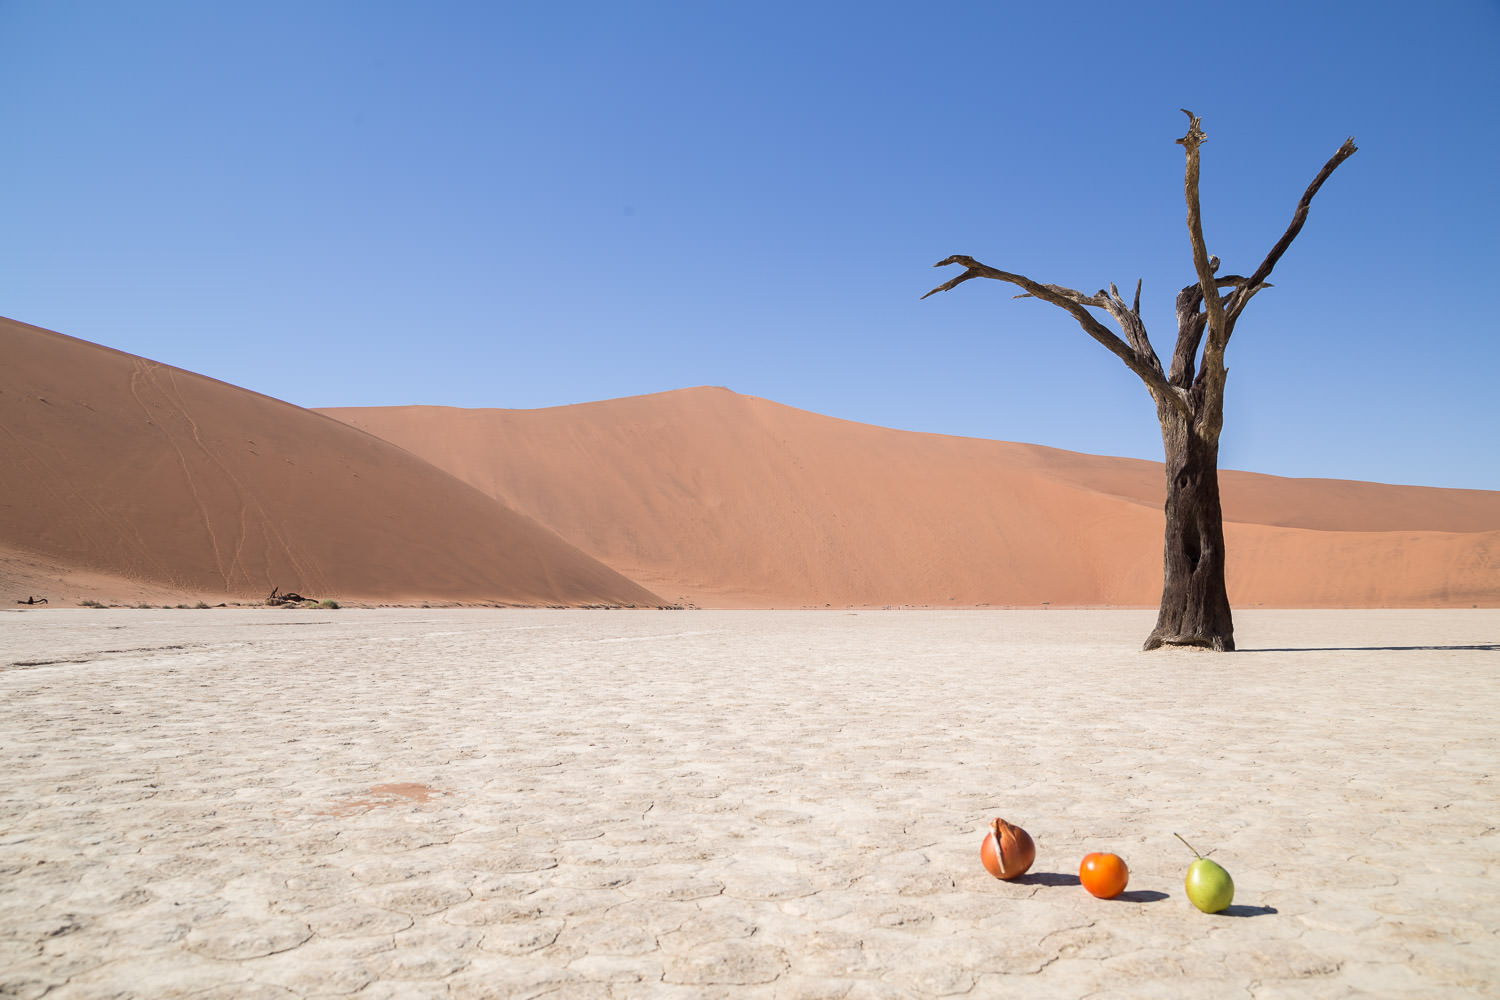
{"x": 1007, "y": 851}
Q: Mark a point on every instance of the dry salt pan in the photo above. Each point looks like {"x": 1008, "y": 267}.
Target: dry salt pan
{"x": 773, "y": 804}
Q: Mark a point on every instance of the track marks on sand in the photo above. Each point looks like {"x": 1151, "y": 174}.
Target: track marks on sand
{"x": 155, "y": 388}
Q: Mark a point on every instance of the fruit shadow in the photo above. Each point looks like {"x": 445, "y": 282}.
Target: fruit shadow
{"x": 1059, "y": 879}
{"x": 1047, "y": 878}
{"x": 1246, "y": 911}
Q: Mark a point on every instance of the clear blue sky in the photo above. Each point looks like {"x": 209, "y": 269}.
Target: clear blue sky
{"x": 524, "y": 205}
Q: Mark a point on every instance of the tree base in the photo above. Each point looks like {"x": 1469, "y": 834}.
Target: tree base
{"x": 1217, "y": 643}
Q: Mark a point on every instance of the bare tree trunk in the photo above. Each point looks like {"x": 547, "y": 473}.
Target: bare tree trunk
{"x": 1194, "y": 598}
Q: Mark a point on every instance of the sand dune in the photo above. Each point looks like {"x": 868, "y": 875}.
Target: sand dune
{"x": 720, "y": 499}
{"x": 1320, "y": 504}
{"x": 124, "y": 479}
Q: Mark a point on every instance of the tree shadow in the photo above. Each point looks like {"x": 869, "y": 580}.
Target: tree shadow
{"x": 1488, "y": 647}
{"x": 1047, "y": 878}
{"x": 1246, "y": 911}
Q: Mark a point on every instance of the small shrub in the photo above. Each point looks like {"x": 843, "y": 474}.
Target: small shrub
{"x": 330, "y": 605}
{"x": 90, "y": 603}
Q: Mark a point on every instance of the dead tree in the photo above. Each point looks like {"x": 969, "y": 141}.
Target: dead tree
{"x": 1189, "y": 397}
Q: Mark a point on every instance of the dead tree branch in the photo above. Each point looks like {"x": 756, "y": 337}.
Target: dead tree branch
{"x": 1144, "y": 363}
{"x": 1220, "y": 313}
{"x": 1257, "y": 281}
{"x": 1191, "y": 322}
{"x": 1213, "y": 354}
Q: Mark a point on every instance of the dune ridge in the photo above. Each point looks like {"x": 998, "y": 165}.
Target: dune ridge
{"x": 718, "y": 499}
{"x": 121, "y": 476}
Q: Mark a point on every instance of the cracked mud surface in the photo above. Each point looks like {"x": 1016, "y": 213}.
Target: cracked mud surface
{"x": 456, "y": 803}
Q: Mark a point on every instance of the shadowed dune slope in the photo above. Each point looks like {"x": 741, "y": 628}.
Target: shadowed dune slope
{"x": 120, "y": 476}
{"x": 720, "y": 499}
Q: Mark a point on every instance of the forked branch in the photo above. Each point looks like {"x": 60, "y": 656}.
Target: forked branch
{"x": 1129, "y": 317}
{"x": 1144, "y": 364}
{"x": 1213, "y": 356}
{"x": 1191, "y": 321}
{"x": 1205, "y": 318}
{"x": 1220, "y": 313}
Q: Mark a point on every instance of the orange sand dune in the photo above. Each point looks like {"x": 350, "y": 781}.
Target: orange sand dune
{"x": 124, "y": 479}
{"x": 719, "y": 499}
{"x": 1323, "y": 504}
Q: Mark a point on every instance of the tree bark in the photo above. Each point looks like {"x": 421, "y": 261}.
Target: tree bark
{"x": 1194, "y": 598}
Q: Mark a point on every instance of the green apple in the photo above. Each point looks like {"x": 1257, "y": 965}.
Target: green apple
{"x": 1209, "y": 886}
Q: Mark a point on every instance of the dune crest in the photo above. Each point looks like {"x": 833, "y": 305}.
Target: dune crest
{"x": 122, "y": 477}
{"x": 718, "y": 499}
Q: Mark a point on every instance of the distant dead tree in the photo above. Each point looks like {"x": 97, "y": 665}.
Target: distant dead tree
{"x": 276, "y": 598}
{"x": 1189, "y": 400}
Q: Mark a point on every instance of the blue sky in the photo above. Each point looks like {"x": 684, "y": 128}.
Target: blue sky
{"x": 524, "y": 205}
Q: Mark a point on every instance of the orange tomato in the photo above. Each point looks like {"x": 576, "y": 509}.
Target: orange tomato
{"x": 1104, "y": 875}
